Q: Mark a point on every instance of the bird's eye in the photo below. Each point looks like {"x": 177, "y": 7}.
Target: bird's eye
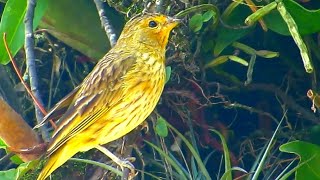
{"x": 153, "y": 24}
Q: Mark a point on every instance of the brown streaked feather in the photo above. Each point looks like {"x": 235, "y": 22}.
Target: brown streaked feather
{"x": 118, "y": 95}
{"x": 86, "y": 108}
{"x": 60, "y": 108}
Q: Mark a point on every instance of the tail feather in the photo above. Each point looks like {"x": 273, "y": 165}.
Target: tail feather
{"x": 57, "y": 159}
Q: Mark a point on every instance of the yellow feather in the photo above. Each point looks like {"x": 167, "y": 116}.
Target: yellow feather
{"x": 118, "y": 95}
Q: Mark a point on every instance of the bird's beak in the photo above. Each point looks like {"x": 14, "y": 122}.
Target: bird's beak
{"x": 172, "y": 22}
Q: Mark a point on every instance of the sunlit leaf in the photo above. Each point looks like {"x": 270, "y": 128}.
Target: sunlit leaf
{"x": 195, "y": 23}
{"x": 3, "y": 145}
{"x": 260, "y": 13}
{"x": 17, "y": 173}
{"x": 309, "y": 158}
{"x": 15, "y": 159}
{"x": 207, "y": 16}
{"x": 293, "y": 29}
{"x": 10, "y": 174}
{"x": 304, "y": 18}
{"x": 161, "y": 127}
{"x": 238, "y": 60}
{"x": 12, "y": 24}
{"x": 217, "y": 61}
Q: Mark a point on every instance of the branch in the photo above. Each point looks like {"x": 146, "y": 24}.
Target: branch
{"x": 287, "y": 99}
{"x": 106, "y": 24}
{"x": 30, "y": 59}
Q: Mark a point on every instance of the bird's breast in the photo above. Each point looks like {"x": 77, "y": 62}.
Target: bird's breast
{"x": 144, "y": 83}
{"x": 142, "y": 87}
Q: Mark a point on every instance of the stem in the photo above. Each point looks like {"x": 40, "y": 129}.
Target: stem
{"x": 106, "y": 24}
{"x": 30, "y": 60}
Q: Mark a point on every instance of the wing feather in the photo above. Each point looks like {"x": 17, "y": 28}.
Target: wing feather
{"x": 60, "y": 108}
{"x": 97, "y": 93}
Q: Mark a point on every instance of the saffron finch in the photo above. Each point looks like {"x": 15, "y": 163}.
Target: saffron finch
{"x": 118, "y": 95}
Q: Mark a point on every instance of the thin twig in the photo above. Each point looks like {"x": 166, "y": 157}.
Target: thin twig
{"x": 15, "y": 67}
{"x": 19, "y": 75}
{"x": 105, "y": 22}
{"x": 288, "y": 100}
{"x": 30, "y": 59}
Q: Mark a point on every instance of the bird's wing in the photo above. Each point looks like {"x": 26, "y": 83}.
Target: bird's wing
{"x": 97, "y": 93}
{"x": 60, "y": 108}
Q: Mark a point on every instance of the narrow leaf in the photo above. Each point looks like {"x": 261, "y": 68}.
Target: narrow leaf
{"x": 238, "y": 60}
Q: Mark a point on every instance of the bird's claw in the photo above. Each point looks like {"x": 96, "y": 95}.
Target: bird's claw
{"x": 126, "y": 163}
{"x": 145, "y": 126}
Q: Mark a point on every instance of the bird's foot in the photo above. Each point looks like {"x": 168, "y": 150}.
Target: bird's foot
{"x": 145, "y": 126}
{"x": 126, "y": 163}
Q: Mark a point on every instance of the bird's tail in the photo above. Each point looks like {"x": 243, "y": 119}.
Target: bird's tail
{"x": 58, "y": 158}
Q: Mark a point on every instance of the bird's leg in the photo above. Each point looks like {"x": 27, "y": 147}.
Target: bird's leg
{"x": 122, "y": 163}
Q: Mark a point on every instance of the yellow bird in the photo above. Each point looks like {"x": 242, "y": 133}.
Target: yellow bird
{"x": 118, "y": 95}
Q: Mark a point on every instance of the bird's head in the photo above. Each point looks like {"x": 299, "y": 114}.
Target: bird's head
{"x": 149, "y": 29}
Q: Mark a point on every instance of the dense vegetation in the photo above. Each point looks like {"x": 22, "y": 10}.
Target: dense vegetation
{"x": 240, "y": 102}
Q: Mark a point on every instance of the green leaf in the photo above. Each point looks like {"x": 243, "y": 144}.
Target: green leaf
{"x": 3, "y": 145}
{"x": 207, "y": 16}
{"x": 16, "y": 159}
{"x": 99, "y": 164}
{"x": 217, "y": 61}
{"x": 79, "y": 30}
{"x": 12, "y": 23}
{"x": 9, "y": 174}
{"x": 245, "y": 48}
{"x": 226, "y": 175}
{"x": 238, "y": 60}
{"x": 267, "y": 54}
{"x": 293, "y": 29}
{"x": 309, "y": 158}
{"x": 254, "y": 17}
{"x": 304, "y": 18}
{"x": 170, "y": 160}
{"x": 195, "y": 23}
{"x": 168, "y": 73}
{"x": 227, "y": 35}
{"x": 227, "y": 162}
{"x": 14, "y": 174}
{"x": 196, "y": 156}
{"x": 161, "y": 127}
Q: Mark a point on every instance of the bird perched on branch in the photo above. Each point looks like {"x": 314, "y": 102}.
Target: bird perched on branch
{"x": 118, "y": 95}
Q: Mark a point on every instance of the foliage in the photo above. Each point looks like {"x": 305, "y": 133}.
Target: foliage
{"x": 309, "y": 158}
{"x": 231, "y": 74}
{"x": 12, "y": 24}
{"x": 18, "y": 172}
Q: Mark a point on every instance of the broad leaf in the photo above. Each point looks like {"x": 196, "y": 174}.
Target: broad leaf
{"x": 304, "y": 18}
{"x": 12, "y": 23}
{"x": 309, "y": 158}
{"x": 227, "y": 35}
